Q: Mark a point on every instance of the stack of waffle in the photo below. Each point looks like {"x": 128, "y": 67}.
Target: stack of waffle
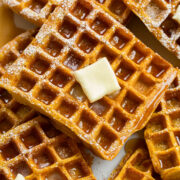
{"x": 37, "y": 80}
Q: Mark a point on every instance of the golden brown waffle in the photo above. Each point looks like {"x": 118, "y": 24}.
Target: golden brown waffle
{"x": 12, "y": 50}
{"x": 38, "y": 151}
{"x": 43, "y": 76}
{"x": 157, "y": 16}
{"x": 37, "y": 11}
{"x": 36, "y": 132}
{"x": 135, "y": 166}
{"x": 11, "y": 112}
{"x": 163, "y": 134}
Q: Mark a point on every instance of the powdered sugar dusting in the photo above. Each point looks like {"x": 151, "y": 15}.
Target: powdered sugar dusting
{"x": 30, "y": 14}
{"x": 11, "y": 3}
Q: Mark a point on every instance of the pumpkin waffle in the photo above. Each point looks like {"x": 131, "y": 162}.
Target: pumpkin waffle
{"x": 135, "y": 166}
{"x": 37, "y": 11}
{"x": 38, "y": 151}
{"x": 157, "y": 15}
{"x": 162, "y": 134}
{"x": 11, "y": 112}
{"x": 43, "y": 77}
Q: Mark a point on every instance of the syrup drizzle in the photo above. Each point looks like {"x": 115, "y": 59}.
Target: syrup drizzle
{"x": 8, "y": 28}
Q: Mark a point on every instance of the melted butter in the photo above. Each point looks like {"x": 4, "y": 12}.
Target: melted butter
{"x": 8, "y": 28}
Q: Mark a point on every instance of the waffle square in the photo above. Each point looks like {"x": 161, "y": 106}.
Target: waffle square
{"x": 37, "y": 11}
{"x": 135, "y": 165}
{"x": 162, "y": 133}
{"x": 157, "y": 15}
{"x": 52, "y": 90}
{"x": 37, "y": 150}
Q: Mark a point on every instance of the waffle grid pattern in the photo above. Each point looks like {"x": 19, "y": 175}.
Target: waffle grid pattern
{"x": 157, "y": 16}
{"x": 11, "y": 112}
{"x": 116, "y": 8}
{"x": 163, "y": 136}
{"x": 137, "y": 167}
{"x": 37, "y": 150}
{"x": 12, "y": 50}
{"x": 37, "y": 11}
{"x": 69, "y": 41}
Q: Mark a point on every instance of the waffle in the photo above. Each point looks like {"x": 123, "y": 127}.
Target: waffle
{"x": 65, "y": 43}
{"x": 135, "y": 166}
{"x": 37, "y": 11}
{"x": 13, "y": 113}
{"x": 38, "y": 151}
{"x": 44, "y": 135}
{"x": 157, "y": 16}
{"x": 162, "y": 134}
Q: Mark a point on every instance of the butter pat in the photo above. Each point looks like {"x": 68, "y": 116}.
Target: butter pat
{"x": 177, "y": 15}
{"x": 97, "y": 80}
{"x": 20, "y": 177}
